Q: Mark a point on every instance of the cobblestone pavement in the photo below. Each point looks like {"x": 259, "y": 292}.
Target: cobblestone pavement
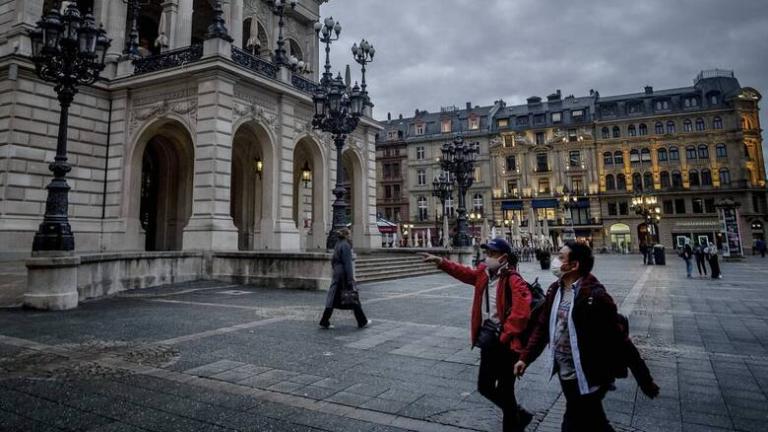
{"x": 209, "y": 356}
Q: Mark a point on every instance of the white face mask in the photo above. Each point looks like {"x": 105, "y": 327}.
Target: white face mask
{"x": 555, "y": 268}
{"x": 493, "y": 263}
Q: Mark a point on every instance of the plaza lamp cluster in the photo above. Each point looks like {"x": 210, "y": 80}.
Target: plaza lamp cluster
{"x": 645, "y": 205}
{"x": 568, "y": 201}
{"x": 458, "y": 161}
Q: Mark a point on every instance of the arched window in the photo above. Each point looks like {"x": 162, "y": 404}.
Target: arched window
{"x": 648, "y": 181}
{"x": 703, "y": 151}
{"x": 610, "y": 182}
{"x": 725, "y": 177}
{"x": 618, "y": 158}
{"x": 634, "y": 156}
{"x": 616, "y": 132}
{"x": 693, "y": 178}
{"x": 295, "y": 50}
{"x": 621, "y": 182}
{"x": 477, "y": 202}
{"x": 717, "y": 123}
{"x": 700, "y": 124}
{"x": 645, "y": 155}
{"x": 690, "y": 153}
{"x": 631, "y": 131}
{"x": 664, "y": 179}
{"x": 677, "y": 180}
{"x": 607, "y": 158}
{"x": 659, "y": 128}
{"x": 255, "y": 38}
{"x": 643, "y": 129}
{"x": 637, "y": 182}
{"x": 674, "y": 154}
{"x": 662, "y": 154}
{"x": 671, "y": 128}
{"x": 687, "y": 126}
{"x": 721, "y": 151}
{"x": 422, "y": 208}
{"x": 706, "y": 177}
{"x": 605, "y": 133}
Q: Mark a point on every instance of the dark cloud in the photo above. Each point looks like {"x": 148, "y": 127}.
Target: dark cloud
{"x": 432, "y": 53}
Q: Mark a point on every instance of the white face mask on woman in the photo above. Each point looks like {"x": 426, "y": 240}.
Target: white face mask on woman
{"x": 493, "y": 263}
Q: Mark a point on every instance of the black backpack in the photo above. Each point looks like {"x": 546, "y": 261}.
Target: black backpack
{"x": 538, "y": 297}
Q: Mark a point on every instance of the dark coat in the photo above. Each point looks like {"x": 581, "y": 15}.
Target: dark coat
{"x": 604, "y": 350}
{"x": 343, "y": 274}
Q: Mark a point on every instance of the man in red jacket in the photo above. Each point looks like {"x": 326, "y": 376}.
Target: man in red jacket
{"x": 509, "y": 306}
{"x": 589, "y": 348}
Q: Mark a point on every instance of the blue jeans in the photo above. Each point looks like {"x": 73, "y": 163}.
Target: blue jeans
{"x": 688, "y": 266}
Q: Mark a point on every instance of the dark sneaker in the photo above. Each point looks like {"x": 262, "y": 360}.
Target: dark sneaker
{"x": 326, "y": 326}
{"x": 367, "y": 323}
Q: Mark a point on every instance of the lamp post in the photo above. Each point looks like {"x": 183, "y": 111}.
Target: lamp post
{"x": 218, "y": 28}
{"x": 442, "y": 189}
{"x": 338, "y": 109}
{"x": 132, "y": 44}
{"x": 568, "y": 201}
{"x": 67, "y": 50}
{"x": 406, "y": 229}
{"x": 645, "y": 206}
{"x": 363, "y": 55}
{"x": 281, "y": 58}
{"x": 474, "y": 217}
{"x": 306, "y": 175}
{"x": 459, "y": 161}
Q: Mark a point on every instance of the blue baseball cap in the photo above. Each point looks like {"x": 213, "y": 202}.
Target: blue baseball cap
{"x": 498, "y": 245}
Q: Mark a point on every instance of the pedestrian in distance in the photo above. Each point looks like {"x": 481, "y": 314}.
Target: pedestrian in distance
{"x": 714, "y": 261}
{"x": 502, "y": 301}
{"x": 644, "y": 252}
{"x": 701, "y": 262}
{"x": 761, "y": 247}
{"x": 687, "y": 254}
{"x": 343, "y": 292}
{"x": 589, "y": 341}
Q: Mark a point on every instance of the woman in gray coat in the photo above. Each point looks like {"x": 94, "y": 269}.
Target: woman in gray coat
{"x": 343, "y": 281}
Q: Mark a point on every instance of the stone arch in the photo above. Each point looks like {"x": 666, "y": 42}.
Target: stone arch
{"x": 355, "y": 181}
{"x": 294, "y": 49}
{"x": 255, "y": 38}
{"x": 160, "y": 178}
{"x": 310, "y": 205}
{"x": 252, "y": 194}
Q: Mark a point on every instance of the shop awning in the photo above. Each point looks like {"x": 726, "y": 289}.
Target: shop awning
{"x": 512, "y": 205}
{"x": 545, "y": 203}
{"x": 385, "y": 226}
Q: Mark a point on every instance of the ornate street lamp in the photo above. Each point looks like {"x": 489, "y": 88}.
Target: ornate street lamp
{"x": 442, "y": 189}
{"x": 459, "y": 160}
{"x": 645, "y": 206}
{"x": 218, "y": 28}
{"x": 569, "y": 200}
{"x": 278, "y": 8}
{"x": 258, "y": 165}
{"x": 363, "y": 55}
{"x": 306, "y": 175}
{"x": 132, "y": 44}
{"x": 338, "y": 109}
{"x": 67, "y": 50}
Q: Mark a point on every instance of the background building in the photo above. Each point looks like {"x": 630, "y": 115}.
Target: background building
{"x": 689, "y": 147}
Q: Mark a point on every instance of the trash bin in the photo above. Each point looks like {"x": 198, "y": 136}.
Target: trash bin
{"x": 658, "y": 255}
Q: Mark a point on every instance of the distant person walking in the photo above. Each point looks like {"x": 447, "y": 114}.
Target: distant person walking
{"x": 714, "y": 261}
{"x": 761, "y": 247}
{"x": 343, "y": 294}
{"x": 687, "y": 254}
{"x": 701, "y": 261}
{"x": 502, "y": 299}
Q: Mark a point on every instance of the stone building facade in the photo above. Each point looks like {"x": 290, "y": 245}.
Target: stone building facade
{"x": 689, "y": 147}
{"x": 200, "y": 144}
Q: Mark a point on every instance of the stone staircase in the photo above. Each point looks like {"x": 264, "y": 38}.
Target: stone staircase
{"x": 376, "y": 267}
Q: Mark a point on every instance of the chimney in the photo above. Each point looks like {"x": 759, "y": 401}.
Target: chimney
{"x": 533, "y": 100}
{"x": 389, "y": 116}
{"x": 648, "y": 90}
{"x": 401, "y": 116}
{"x": 469, "y": 106}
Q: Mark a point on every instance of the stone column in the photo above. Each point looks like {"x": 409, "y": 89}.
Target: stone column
{"x": 211, "y": 227}
{"x": 171, "y": 12}
{"x": 286, "y": 235}
{"x": 114, "y": 15}
{"x": 183, "y": 35}
{"x": 236, "y": 22}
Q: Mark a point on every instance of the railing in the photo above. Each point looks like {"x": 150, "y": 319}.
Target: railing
{"x": 168, "y": 59}
{"x": 304, "y": 85}
{"x": 713, "y": 73}
{"x": 253, "y": 63}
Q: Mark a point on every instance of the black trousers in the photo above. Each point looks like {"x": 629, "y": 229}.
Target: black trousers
{"x": 496, "y": 382}
{"x": 701, "y": 264}
{"x": 583, "y": 412}
{"x": 357, "y": 310}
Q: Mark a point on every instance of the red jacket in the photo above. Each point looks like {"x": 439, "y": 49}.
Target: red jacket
{"x": 513, "y": 318}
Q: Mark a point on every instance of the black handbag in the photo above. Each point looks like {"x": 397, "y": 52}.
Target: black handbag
{"x": 490, "y": 331}
{"x": 349, "y": 297}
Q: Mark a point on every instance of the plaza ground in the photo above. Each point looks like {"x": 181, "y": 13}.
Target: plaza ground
{"x": 209, "y": 356}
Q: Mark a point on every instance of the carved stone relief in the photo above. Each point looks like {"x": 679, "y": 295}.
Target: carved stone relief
{"x": 143, "y": 113}
{"x": 256, "y": 112}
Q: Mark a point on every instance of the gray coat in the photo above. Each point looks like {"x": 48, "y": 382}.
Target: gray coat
{"x": 343, "y": 274}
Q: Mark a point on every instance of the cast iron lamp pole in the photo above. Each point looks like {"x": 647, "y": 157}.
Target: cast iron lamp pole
{"x": 442, "y": 189}
{"x": 568, "y": 200}
{"x": 218, "y": 28}
{"x": 644, "y": 205}
{"x": 459, "y": 160}
{"x": 132, "y": 44}
{"x": 278, "y": 8}
{"x": 338, "y": 109}
{"x": 67, "y": 50}
{"x": 363, "y": 55}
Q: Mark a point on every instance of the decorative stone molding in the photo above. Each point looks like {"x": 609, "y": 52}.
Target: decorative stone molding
{"x": 186, "y": 108}
{"x": 305, "y": 128}
{"x": 256, "y": 112}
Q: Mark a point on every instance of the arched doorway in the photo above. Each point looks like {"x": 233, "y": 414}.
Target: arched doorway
{"x": 251, "y": 181}
{"x": 308, "y": 192}
{"x": 255, "y": 38}
{"x": 167, "y": 172}
{"x": 621, "y": 239}
{"x": 354, "y": 183}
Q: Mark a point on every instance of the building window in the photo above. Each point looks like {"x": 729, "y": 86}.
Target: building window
{"x": 420, "y": 129}
{"x": 623, "y": 208}
{"x": 445, "y": 126}
{"x": 557, "y": 117}
{"x": 677, "y": 179}
{"x": 634, "y": 157}
{"x": 659, "y": 128}
{"x": 396, "y": 170}
{"x": 388, "y": 192}
{"x": 709, "y": 205}
{"x": 662, "y": 105}
{"x": 687, "y": 126}
{"x": 396, "y": 192}
{"x": 621, "y": 182}
{"x": 512, "y": 188}
{"x": 538, "y": 119}
{"x": 522, "y": 121}
{"x": 477, "y": 203}
{"x": 618, "y": 158}
{"x": 544, "y": 186}
{"x": 449, "y": 210}
{"x": 648, "y": 181}
{"x": 423, "y": 209}
{"x": 680, "y": 206}
{"x": 635, "y": 108}
{"x": 662, "y": 154}
{"x": 697, "y": 206}
{"x": 706, "y": 177}
{"x": 700, "y": 124}
{"x": 612, "y": 211}
{"x": 387, "y": 171}
{"x": 502, "y": 123}
{"x": 717, "y": 123}
{"x": 643, "y": 129}
{"x": 605, "y": 133}
{"x": 541, "y": 162}
{"x": 645, "y": 155}
{"x": 674, "y": 155}
{"x": 574, "y": 158}
{"x": 539, "y": 138}
{"x": 703, "y": 152}
{"x": 422, "y": 177}
{"x": 420, "y": 153}
{"x": 610, "y": 182}
{"x": 664, "y": 179}
{"x": 607, "y": 158}
{"x": 474, "y": 123}
{"x": 511, "y": 163}
{"x": 690, "y": 153}
{"x": 616, "y": 132}
{"x": 637, "y": 182}
{"x": 721, "y": 151}
{"x": 668, "y": 207}
{"x": 391, "y": 135}
{"x": 577, "y": 114}
{"x": 725, "y": 177}
{"x": 691, "y": 102}
{"x": 671, "y": 128}
{"x": 713, "y": 99}
{"x": 572, "y": 136}
{"x": 693, "y": 178}
{"x": 631, "y": 131}
{"x": 577, "y": 184}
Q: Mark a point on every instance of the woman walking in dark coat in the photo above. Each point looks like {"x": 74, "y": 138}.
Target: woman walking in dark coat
{"x": 343, "y": 282}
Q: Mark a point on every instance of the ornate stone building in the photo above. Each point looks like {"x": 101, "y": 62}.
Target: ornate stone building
{"x": 689, "y": 147}
{"x": 199, "y": 144}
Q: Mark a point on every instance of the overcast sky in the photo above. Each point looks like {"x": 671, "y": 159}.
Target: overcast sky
{"x": 433, "y": 53}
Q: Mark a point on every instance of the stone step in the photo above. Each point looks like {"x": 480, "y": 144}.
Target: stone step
{"x": 400, "y": 264}
{"x": 413, "y": 269}
{"x": 395, "y": 275}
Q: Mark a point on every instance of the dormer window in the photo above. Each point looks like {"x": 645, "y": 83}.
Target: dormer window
{"x": 557, "y": 117}
{"x": 445, "y": 126}
{"x": 522, "y": 121}
{"x": 635, "y": 108}
{"x": 502, "y": 123}
{"x": 662, "y": 105}
{"x": 577, "y": 114}
{"x": 420, "y": 129}
{"x": 391, "y": 134}
{"x": 691, "y": 102}
{"x": 474, "y": 123}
